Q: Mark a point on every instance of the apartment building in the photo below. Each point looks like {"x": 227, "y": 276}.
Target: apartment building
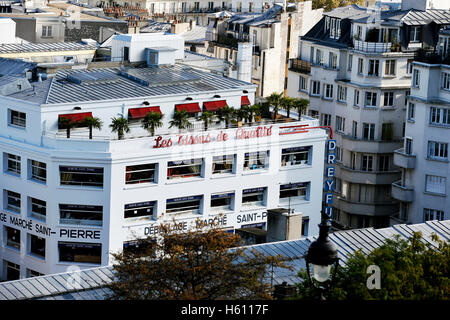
{"x": 424, "y": 161}
{"x": 356, "y": 67}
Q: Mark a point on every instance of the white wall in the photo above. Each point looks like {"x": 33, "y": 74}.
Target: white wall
{"x": 8, "y": 30}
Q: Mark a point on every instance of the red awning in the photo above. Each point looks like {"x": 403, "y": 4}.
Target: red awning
{"x": 214, "y": 105}
{"x": 76, "y": 117}
{"x": 137, "y": 113}
{"x": 245, "y": 101}
{"x": 189, "y": 107}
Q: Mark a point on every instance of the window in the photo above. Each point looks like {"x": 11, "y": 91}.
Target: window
{"x": 38, "y": 170}
{"x": 367, "y": 163}
{"x": 12, "y": 164}
{"x": 256, "y": 160}
{"x": 411, "y": 111}
{"x": 439, "y": 116}
{"x": 356, "y": 98}
{"x": 340, "y": 124}
{"x": 80, "y": 252}
{"x": 354, "y": 129}
{"x": 12, "y": 271}
{"x": 311, "y": 55}
{"x": 342, "y": 93}
{"x": 352, "y": 165}
{"x": 415, "y": 34}
{"x": 371, "y": 99}
{"x": 383, "y": 163}
{"x": 339, "y": 154}
{"x": 408, "y": 146}
{"x": 445, "y": 80}
{"x": 223, "y": 164}
{"x": 326, "y": 119}
{"x": 416, "y": 78}
{"x": 139, "y": 210}
{"x": 141, "y": 173}
{"x": 294, "y": 191}
{"x": 319, "y": 57}
{"x": 17, "y": 118}
{"x": 38, "y": 209}
{"x": 332, "y": 60}
{"x": 407, "y": 93}
{"x": 302, "y": 84}
{"x": 190, "y": 204}
{"x": 360, "y": 65}
{"x": 12, "y": 237}
{"x": 390, "y": 68}
{"x": 328, "y": 91}
{"x": 36, "y": 245}
{"x": 139, "y": 247}
{"x": 313, "y": 113}
{"x": 350, "y": 62}
{"x": 315, "y": 88}
{"x": 222, "y": 201}
{"x": 79, "y": 214}
{"x": 46, "y": 31}
{"x": 435, "y": 184}
{"x": 295, "y": 156}
{"x": 374, "y": 66}
{"x": 184, "y": 168}
{"x": 253, "y": 197}
{"x": 81, "y": 176}
{"x": 388, "y": 99}
{"x": 387, "y": 131}
{"x": 409, "y": 66}
{"x": 32, "y": 273}
{"x": 368, "y": 131}
{"x": 432, "y": 214}
{"x": 12, "y": 202}
{"x": 437, "y": 150}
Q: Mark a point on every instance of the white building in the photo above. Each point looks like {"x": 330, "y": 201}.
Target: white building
{"x": 423, "y": 188}
{"x": 355, "y": 67}
{"x": 75, "y": 200}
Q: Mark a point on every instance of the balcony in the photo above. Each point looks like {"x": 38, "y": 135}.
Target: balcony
{"x": 366, "y": 177}
{"x": 404, "y": 160}
{"x": 372, "y": 47}
{"x": 370, "y": 146}
{"x": 301, "y": 66}
{"x": 402, "y": 193}
{"x": 366, "y": 208}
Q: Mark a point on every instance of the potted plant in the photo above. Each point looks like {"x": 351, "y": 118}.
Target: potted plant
{"x": 119, "y": 125}
{"x": 151, "y": 121}
{"x": 226, "y": 114}
{"x": 181, "y": 120}
{"x": 207, "y": 117}
{"x": 92, "y": 123}
{"x": 275, "y": 100}
{"x": 67, "y": 124}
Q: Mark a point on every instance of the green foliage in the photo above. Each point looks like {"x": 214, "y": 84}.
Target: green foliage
{"x": 92, "y": 123}
{"x": 328, "y": 5}
{"x": 226, "y": 114}
{"x": 275, "y": 100}
{"x": 410, "y": 270}
{"x": 119, "y": 125}
{"x": 151, "y": 121}
{"x": 203, "y": 263}
{"x": 180, "y": 120}
{"x": 207, "y": 117}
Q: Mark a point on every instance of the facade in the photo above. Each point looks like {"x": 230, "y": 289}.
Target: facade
{"x": 74, "y": 201}
{"x": 423, "y": 188}
{"x": 273, "y": 37}
{"x": 355, "y": 67}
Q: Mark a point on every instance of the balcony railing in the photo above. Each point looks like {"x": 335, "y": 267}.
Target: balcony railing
{"x": 404, "y": 160}
{"x": 300, "y": 66}
{"x": 402, "y": 192}
{"x": 372, "y": 47}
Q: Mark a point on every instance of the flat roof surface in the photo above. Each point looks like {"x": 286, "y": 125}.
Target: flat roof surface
{"x": 92, "y": 284}
{"x": 45, "y": 47}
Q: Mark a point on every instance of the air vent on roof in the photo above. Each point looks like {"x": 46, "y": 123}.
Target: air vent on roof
{"x": 92, "y": 77}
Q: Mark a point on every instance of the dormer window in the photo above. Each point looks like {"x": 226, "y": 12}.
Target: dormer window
{"x": 415, "y": 34}
{"x": 335, "y": 28}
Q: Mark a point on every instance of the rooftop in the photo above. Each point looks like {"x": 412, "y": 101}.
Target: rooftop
{"x": 130, "y": 83}
{"x": 45, "y": 47}
{"x": 92, "y": 284}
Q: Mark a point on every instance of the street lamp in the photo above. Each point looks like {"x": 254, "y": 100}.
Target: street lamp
{"x": 322, "y": 254}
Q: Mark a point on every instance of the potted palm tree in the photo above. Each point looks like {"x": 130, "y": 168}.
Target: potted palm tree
{"x": 67, "y": 124}
{"x": 254, "y": 110}
{"x": 287, "y": 103}
{"x": 240, "y": 115}
{"x": 274, "y": 100}
{"x": 92, "y": 123}
{"x": 180, "y": 120}
{"x": 151, "y": 121}
{"x": 300, "y": 105}
{"x": 207, "y": 117}
{"x": 226, "y": 114}
{"x": 119, "y": 125}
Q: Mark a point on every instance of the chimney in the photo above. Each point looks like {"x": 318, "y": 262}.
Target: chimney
{"x": 283, "y": 224}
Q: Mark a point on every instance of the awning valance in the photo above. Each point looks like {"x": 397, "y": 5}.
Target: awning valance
{"x": 245, "y": 101}
{"x": 189, "y": 107}
{"x": 76, "y": 117}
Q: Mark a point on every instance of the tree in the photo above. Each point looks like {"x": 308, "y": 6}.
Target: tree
{"x": 203, "y": 263}
{"x": 207, "y": 117}
{"x": 410, "y": 269}
{"x": 287, "y": 103}
{"x": 241, "y": 114}
{"x": 67, "y": 124}
{"x": 226, "y": 114}
{"x": 328, "y": 5}
{"x": 300, "y": 104}
{"x": 151, "y": 121}
{"x": 180, "y": 120}
{"x": 274, "y": 100}
{"x": 92, "y": 123}
{"x": 119, "y": 125}
{"x": 253, "y": 110}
